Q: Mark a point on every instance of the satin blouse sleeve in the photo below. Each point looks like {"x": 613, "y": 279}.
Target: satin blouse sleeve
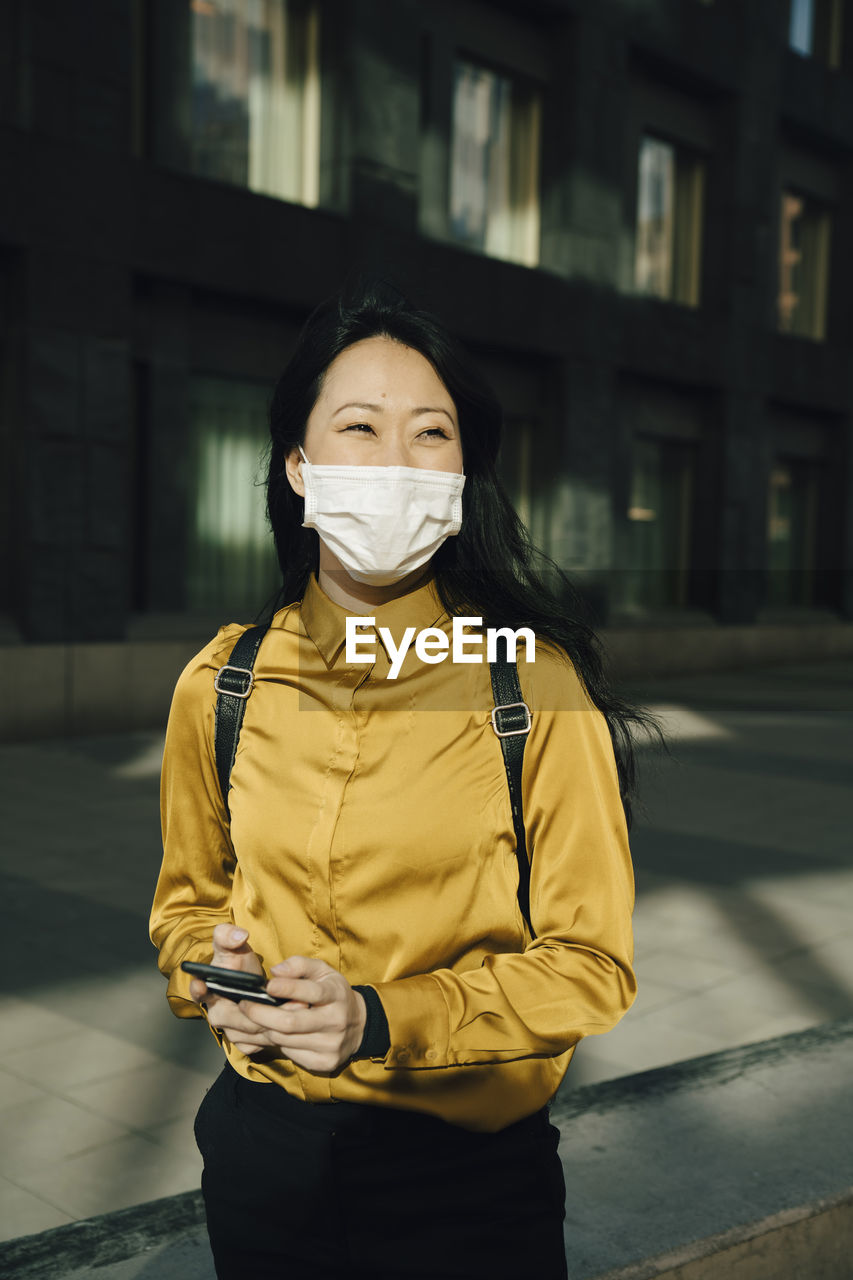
{"x": 575, "y": 978}
{"x": 193, "y": 893}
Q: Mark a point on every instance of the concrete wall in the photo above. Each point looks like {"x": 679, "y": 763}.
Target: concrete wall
{"x": 58, "y": 689}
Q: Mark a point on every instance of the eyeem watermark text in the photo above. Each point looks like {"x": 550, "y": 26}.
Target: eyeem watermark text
{"x": 434, "y": 645}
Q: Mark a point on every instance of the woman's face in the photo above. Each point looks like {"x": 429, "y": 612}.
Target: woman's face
{"x": 381, "y": 405}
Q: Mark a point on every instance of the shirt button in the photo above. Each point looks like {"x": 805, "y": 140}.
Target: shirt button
{"x": 431, "y": 1055}
{"x": 403, "y": 1055}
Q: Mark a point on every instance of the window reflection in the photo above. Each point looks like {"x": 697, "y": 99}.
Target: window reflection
{"x": 792, "y": 532}
{"x": 803, "y": 266}
{"x": 256, "y": 95}
{"x": 231, "y": 560}
{"x": 515, "y": 464}
{"x": 801, "y": 26}
{"x": 659, "y": 512}
{"x": 814, "y": 29}
{"x": 668, "y": 245}
{"x": 494, "y": 164}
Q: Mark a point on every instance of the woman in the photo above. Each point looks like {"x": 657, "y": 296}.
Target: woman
{"x": 391, "y": 1119}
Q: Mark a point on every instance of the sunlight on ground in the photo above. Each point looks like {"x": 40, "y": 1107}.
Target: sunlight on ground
{"x": 96, "y": 1121}
{"x": 680, "y": 724}
{"x": 145, "y": 764}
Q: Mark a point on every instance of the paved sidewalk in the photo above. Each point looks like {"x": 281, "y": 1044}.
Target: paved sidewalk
{"x": 744, "y": 930}
{"x": 747, "y": 1172}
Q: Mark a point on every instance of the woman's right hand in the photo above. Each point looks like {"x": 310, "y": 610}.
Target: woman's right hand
{"x": 231, "y": 950}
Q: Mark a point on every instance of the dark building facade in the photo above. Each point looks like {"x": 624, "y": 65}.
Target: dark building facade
{"x": 637, "y": 216}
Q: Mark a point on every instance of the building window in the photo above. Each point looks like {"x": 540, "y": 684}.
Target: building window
{"x": 803, "y": 266}
{"x": 256, "y": 95}
{"x": 231, "y": 562}
{"x": 659, "y": 515}
{"x": 668, "y": 255}
{"x": 792, "y": 532}
{"x": 515, "y": 465}
{"x": 814, "y": 29}
{"x": 494, "y": 164}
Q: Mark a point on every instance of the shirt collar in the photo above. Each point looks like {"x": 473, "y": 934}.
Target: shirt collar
{"x": 325, "y": 621}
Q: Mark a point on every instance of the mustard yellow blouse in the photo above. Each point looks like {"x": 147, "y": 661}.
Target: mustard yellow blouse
{"x": 371, "y": 827}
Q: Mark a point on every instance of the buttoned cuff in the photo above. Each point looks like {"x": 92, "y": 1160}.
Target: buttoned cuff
{"x": 376, "y": 1040}
{"x": 417, "y": 1019}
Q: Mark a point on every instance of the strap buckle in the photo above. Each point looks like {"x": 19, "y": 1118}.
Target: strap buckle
{"x": 241, "y": 671}
{"x": 511, "y": 706}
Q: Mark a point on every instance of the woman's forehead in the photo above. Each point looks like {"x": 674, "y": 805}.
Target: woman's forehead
{"x": 383, "y": 367}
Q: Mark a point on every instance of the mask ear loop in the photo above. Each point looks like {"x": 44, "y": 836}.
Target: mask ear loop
{"x": 305, "y": 486}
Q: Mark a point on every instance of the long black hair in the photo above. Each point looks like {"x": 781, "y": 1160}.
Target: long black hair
{"x": 490, "y": 569}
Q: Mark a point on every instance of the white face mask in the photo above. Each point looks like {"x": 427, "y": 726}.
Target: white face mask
{"x": 381, "y": 522}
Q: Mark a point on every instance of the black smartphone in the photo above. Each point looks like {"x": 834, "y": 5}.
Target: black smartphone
{"x": 233, "y": 984}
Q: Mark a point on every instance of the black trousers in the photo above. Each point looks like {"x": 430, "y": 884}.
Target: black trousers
{"x": 295, "y": 1189}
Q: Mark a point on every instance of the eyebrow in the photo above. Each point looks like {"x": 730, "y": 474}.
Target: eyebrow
{"x": 378, "y": 408}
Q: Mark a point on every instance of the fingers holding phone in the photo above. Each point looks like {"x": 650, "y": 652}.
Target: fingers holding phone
{"x": 222, "y": 991}
{"x": 232, "y": 984}
{"x": 231, "y": 951}
{"x": 236, "y": 975}
{"x": 232, "y": 955}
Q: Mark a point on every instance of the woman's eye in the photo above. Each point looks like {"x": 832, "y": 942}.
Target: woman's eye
{"x": 358, "y": 426}
{"x": 435, "y": 432}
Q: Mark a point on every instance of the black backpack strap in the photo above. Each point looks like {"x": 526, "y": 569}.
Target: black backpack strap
{"x": 511, "y": 722}
{"x": 233, "y": 684}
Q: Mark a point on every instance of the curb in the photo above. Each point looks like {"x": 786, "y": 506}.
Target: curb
{"x": 709, "y": 1071}
{"x": 814, "y": 1241}
{"x": 95, "y": 1242}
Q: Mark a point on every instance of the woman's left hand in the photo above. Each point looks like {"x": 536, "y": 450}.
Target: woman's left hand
{"x": 322, "y": 1037}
